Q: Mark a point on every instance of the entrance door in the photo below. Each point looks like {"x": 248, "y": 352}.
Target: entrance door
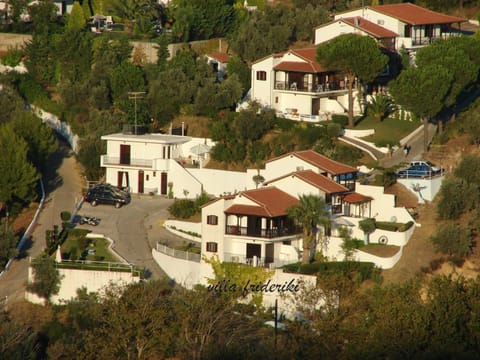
{"x": 268, "y": 253}
{"x": 254, "y": 250}
{"x": 141, "y": 179}
{"x": 122, "y": 179}
{"x": 163, "y": 183}
{"x": 125, "y": 154}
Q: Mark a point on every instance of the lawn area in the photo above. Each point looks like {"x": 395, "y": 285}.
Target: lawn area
{"x": 78, "y": 247}
{"x": 387, "y": 132}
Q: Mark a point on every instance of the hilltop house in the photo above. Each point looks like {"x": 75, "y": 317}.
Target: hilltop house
{"x": 297, "y": 86}
{"x": 253, "y": 227}
{"x": 218, "y": 61}
{"x": 394, "y": 25}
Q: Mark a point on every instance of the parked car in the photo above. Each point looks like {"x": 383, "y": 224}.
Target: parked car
{"x": 107, "y": 194}
{"x": 420, "y": 169}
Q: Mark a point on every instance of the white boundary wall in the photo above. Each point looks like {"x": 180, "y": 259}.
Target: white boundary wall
{"x": 74, "y": 279}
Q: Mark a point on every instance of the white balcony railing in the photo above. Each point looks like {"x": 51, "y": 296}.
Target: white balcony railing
{"x": 134, "y": 162}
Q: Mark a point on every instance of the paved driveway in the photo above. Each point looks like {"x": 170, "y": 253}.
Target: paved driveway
{"x": 130, "y": 228}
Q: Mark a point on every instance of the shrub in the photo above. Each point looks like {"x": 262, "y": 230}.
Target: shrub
{"x": 65, "y": 215}
{"x": 13, "y": 57}
{"x": 456, "y": 197}
{"x": 387, "y": 226}
{"x": 339, "y": 119}
{"x": 405, "y": 226}
{"x": 453, "y": 240}
{"x": 182, "y": 208}
{"x": 389, "y": 178}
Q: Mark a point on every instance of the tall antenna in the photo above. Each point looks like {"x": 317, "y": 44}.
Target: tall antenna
{"x": 136, "y": 95}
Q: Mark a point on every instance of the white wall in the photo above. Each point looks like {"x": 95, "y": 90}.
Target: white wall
{"x": 261, "y": 91}
{"x": 375, "y": 17}
{"x": 184, "y": 272}
{"x": 214, "y": 233}
{"x": 182, "y": 181}
{"x": 285, "y": 165}
{"x": 294, "y": 186}
{"x": 334, "y": 29}
{"x": 73, "y": 279}
{"x": 219, "y": 182}
{"x": 429, "y": 188}
{"x": 383, "y": 205}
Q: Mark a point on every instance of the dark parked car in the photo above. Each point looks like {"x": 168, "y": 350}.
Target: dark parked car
{"x": 107, "y": 194}
{"x": 420, "y": 169}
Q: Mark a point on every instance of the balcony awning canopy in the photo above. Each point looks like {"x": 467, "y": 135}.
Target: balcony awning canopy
{"x": 355, "y": 198}
{"x": 247, "y": 210}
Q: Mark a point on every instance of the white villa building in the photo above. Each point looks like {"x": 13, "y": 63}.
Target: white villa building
{"x": 393, "y": 25}
{"x": 165, "y": 165}
{"x": 253, "y": 226}
{"x": 297, "y": 86}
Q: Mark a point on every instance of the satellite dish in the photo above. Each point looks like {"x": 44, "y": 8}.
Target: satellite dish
{"x": 393, "y": 219}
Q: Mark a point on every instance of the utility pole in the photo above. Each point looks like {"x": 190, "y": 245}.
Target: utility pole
{"x": 136, "y": 95}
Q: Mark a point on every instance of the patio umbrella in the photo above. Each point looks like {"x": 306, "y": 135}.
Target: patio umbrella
{"x": 200, "y": 149}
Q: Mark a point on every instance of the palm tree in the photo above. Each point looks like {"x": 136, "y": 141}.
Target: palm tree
{"x": 380, "y": 107}
{"x": 309, "y": 213}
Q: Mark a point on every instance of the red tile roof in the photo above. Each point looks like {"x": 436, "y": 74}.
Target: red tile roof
{"x": 375, "y": 30}
{"x": 323, "y": 183}
{"x": 415, "y": 15}
{"x": 299, "y": 67}
{"x": 324, "y": 163}
{"x": 271, "y": 202}
{"x": 222, "y": 57}
{"x": 356, "y": 198}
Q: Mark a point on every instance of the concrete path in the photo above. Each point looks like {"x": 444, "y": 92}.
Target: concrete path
{"x": 416, "y": 152}
{"x": 63, "y": 187}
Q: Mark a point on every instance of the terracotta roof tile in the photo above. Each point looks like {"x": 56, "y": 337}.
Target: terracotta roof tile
{"x": 355, "y": 198}
{"x": 415, "y": 15}
{"x": 324, "y": 163}
{"x": 222, "y": 57}
{"x": 299, "y": 66}
{"x": 323, "y": 183}
{"x": 271, "y": 202}
{"x": 373, "y": 29}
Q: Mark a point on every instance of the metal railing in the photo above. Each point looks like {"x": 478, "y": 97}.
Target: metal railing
{"x": 314, "y": 88}
{"x": 115, "y": 160}
{"x": 263, "y": 233}
{"x": 271, "y": 263}
{"x": 179, "y": 254}
{"x": 98, "y": 265}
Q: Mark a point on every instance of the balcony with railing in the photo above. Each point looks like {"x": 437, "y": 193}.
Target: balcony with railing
{"x": 320, "y": 88}
{"x": 268, "y": 262}
{"x": 262, "y": 233}
{"x": 132, "y": 162}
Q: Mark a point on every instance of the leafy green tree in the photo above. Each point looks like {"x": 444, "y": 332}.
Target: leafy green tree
{"x": 19, "y": 178}
{"x": 237, "y": 66}
{"x": 47, "y": 279}
{"x": 76, "y": 20}
{"x": 71, "y": 66}
{"x": 17, "y": 341}
{"x": 309, "y": 213}
{"x": 15, "y": 9}
{"x": 41, "y": 58}
{"x": 145, "y": 316}
{"x": 8, "y": 243}
{"x": 137, "y": 12}
{"x": 367, "y": 226}
{"x": 469, "y": 170}
{"x": 202, "y": 19}
{"x": 456, "y": 197}
{"x": 10, "y": 102}
{"x": 307, "y": 18}
{"x": 264, "y": 33}
{"x": 40, "y": 138}
{"x": 450, "y": 54}
{"x": 422, "y": 90}
{"x": 471, "y": 126}
{"x": 43, "y": 15}
{"x": 453, "y": 240}
{"x": 355, "y": 56}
